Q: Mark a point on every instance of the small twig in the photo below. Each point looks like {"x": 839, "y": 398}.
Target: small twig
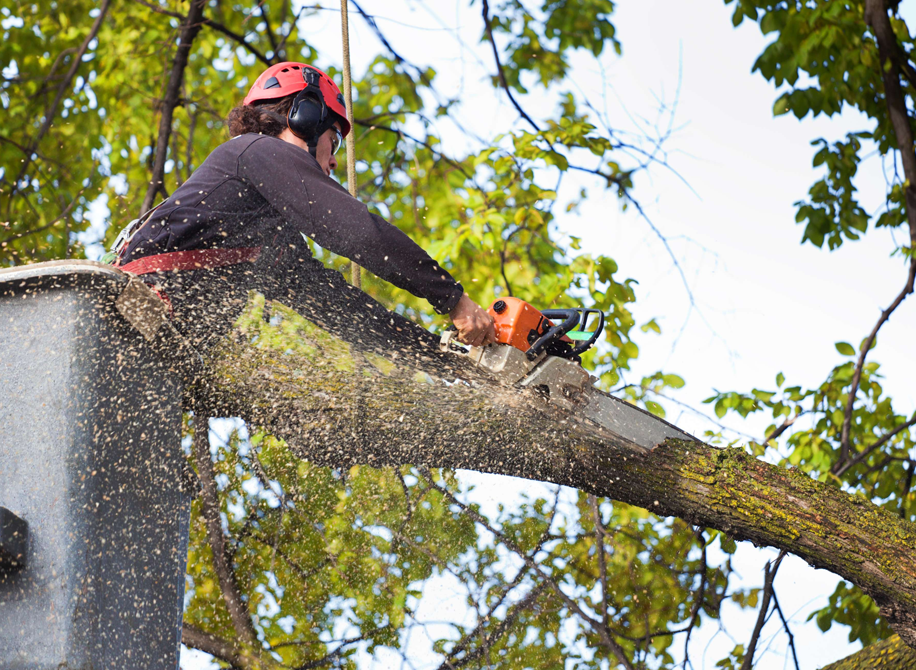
{"x": 602, "y": 562}
{"x": 769, "y": 573}
{"x": 907, "y": 485}
{"x": 499, "y": 67}
{"x": 699, "y": 599}
{"x": 785, "y": 626}
{"x": 602, "y": 632}
{"x": 844, "y": 467}
{"x": 34, "y": 231}
{"x": 497, "y": 632}
{"x": 241, "y": 39}
{"x": 860, "y": 363}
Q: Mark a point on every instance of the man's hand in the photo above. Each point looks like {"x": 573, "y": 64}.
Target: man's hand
{"x": 475, "y": 326}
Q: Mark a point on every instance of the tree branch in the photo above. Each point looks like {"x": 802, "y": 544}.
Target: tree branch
{"x": 338, "y": 416}
{"x": 189, "y": 30}
{"x": 769, "y": 572}
{"x": 877, "y": 445}
{"x": 499, "y": 66}
{"x": 600, "y": 630}
{"x": 51, "y": 111}
{"x": 232, "y": 593}
{"x": 195, "y": 638}
{"x": 860, "y": 364}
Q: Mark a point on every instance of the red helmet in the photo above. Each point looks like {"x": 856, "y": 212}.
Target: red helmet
{"x": 283, "y": 79}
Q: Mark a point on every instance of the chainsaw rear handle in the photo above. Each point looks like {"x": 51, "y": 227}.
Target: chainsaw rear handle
{"x": 572, "y": 317}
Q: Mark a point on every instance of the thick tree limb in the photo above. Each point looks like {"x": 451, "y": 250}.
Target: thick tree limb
{"x": 889, "y": 654}
{"x": 189, "y": 30}
{"x": 334, "y": 410}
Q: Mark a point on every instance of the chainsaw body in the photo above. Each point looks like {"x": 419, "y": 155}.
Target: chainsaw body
{"x": 539, "y": 349}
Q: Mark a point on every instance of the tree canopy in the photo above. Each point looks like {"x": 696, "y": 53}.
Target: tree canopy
{"x": 293, "y": 564}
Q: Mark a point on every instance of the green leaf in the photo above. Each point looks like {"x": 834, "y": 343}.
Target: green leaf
{"x": 845, "y": 348}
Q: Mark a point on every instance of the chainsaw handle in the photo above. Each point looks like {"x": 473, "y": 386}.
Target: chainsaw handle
{"x": 571, "y": 320}
{"x": 577, "y": 317}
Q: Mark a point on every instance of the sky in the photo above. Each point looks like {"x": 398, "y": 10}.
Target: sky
{"x": 762, "y": 302}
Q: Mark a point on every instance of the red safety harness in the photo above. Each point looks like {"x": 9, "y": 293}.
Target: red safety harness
{"x": 197, "y": 259}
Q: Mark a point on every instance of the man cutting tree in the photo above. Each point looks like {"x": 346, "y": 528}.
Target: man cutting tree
{"x": 241, "y": 221}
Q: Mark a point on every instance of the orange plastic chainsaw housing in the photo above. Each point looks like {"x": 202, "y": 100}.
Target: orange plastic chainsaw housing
{"x": 516, "y": 320}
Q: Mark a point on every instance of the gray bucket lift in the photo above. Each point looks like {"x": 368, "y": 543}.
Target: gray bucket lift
{"x": 94, "y": 501}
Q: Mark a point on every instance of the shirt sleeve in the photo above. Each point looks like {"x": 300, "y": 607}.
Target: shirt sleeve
{"x": 292, "y": 182}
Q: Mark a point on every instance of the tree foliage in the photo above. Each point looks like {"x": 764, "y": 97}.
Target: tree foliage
{"x": 328, "y": 562}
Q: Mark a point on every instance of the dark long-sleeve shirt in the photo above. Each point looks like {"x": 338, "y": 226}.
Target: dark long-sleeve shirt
{"x": 253, "y": 188}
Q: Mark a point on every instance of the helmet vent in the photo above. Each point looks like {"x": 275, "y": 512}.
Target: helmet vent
{"x": 272, "y": 83}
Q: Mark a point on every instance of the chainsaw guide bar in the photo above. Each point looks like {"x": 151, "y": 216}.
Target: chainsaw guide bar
{"x": 559, "y": 378}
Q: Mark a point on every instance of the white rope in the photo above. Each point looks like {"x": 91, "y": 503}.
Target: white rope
{"x": 355, "y": 272}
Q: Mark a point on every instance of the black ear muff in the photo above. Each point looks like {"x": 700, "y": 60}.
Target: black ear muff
{"x": 307, "y": 115}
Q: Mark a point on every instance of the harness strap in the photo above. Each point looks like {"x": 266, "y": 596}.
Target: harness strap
{"x": 197, "y": 259}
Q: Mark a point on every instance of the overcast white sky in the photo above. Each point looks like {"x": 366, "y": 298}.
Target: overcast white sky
{"x": 764, "y": 303}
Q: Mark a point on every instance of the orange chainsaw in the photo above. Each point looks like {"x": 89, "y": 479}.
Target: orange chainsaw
{"x": 541, "y": 349}
{"x": 534, "y": 332}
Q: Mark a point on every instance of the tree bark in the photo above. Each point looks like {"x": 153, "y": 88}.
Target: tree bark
{"x": 889, "y": 654}
{"x": 390, "y": 399}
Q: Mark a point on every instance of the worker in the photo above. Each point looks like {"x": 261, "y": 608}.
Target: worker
{"x": 240, "y": 223}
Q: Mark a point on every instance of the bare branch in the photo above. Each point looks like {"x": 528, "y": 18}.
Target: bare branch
{"x": 840, "y": 471}
{"x": 785, "y": 626}
{"x": 499, "y": 67}
{"x": 51, "y": 111}
{"x": 769, "y": 572}
{"x": 241, "y": 39}
{"x": 601, "y": 631}
{"x": 189, "y": 30}
{"x": 232, "y": 593}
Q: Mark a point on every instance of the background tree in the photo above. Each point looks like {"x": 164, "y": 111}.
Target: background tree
{"x": 117, "y": 105}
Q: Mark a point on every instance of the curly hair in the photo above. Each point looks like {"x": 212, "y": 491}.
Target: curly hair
{"x": 266, "y": 118}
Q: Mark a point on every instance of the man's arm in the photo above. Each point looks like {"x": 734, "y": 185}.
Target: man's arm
{"x": 291, "y": 181}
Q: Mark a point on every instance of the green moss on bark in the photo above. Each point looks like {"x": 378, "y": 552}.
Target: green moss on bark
{"x": 889, "y": 654}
